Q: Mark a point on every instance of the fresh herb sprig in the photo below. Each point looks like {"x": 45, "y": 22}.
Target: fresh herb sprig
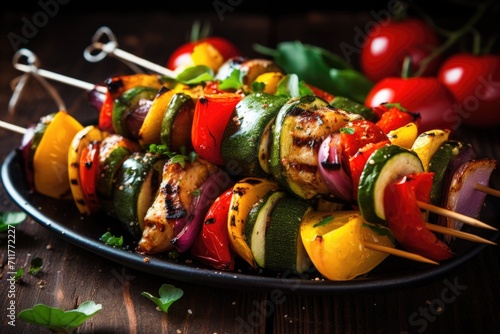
{"x": 58, "y": 320}
{"x": 168, "y": 295}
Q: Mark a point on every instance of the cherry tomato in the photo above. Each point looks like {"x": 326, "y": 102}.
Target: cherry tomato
{"x": 211, "y": 247}
{"x": 182, "y": 55}
{"x": 474, "y": 80}
{"x": 387, "y": 45}
{"x": 211, "y": 114}
{"x": 405, "y": 220}
{"x": 426, "y": 96}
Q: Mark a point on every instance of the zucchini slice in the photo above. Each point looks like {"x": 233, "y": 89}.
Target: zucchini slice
{"x": 385, "y": 165}
{"x": 284, "y": 249}
{"x": 177, "y": 122}
{"x": 136, "y": 185}
{"x": 246, "y": 136}
{"x": 257, "y": 223}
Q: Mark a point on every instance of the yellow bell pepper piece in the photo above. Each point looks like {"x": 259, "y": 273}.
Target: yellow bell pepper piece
{"x": 50, "y": 162}
{"x": 427, "y": 144}
{"x": 334, "y": 241}
{"x": 150, "y": 131}
{"x": 206, "y": 54}
{"x": 404, "y": 136}
{"x": 270, "y": 80}
{"x": 246, "y": 193}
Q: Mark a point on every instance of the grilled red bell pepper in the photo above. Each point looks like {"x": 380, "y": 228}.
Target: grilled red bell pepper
{"x": 211, "y": 247}
{"x": 393, "y": 116}
{"x": 357, "y": 134}
{"x": 405, "y": 220}
{"x": 211, "y": 114}
{"x": 89, "y": 172}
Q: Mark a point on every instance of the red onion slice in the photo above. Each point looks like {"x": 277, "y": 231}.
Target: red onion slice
{"x": 187, "y": 229}
{"x": 332, "y": 170}
{"x": 462, "y": 197}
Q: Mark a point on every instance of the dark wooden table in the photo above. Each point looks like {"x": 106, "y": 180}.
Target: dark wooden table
{"x": 466, "y": 299}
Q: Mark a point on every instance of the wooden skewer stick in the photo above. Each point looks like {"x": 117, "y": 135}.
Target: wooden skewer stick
{"x": 487, "y": 190}
{"x": 455, "y": 215}
{"x": 458, "y": 234}
{"x": 398, "y": 252}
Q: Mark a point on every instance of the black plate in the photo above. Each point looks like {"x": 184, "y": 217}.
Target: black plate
{"x": 64, "y": 220}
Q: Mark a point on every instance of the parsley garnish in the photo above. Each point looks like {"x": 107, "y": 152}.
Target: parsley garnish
{"x": 168, "y": 294}
{"x": 347, "y": 130}
{"x": 111, "y": 240}
{"x": 35, "y": 266}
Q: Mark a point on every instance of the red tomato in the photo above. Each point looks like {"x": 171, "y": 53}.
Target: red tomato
{"x": 182, "y": 55}
{"x": 426, "y": 96}
{"x": 89, "y": 172}
{"x": 211, "y": 114}
{"x": 405, "y": 219}
{"x": 475, "y": 82}
{"x": 387, "y": 45}
{"x": 211, "y": 247}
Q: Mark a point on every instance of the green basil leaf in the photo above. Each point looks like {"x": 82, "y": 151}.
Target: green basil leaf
{"x": 11, "y": 218}
{"x": 58, "y": 320}
{"x": 168, "y": 294}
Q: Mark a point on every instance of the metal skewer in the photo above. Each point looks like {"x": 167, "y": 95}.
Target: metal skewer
{"x": 32, "y": 68}
{"x": 111, "y": 47}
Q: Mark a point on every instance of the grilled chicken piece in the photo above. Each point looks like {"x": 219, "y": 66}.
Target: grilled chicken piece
{"x": 172, "y": 204}
{"x": 306, "y": 131}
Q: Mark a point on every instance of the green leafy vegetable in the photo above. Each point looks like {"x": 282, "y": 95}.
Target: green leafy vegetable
{"x": 35, "y": 265}
{"x": 112, "y": 240}
{"x": 10, "y": 218}
{"x": 195, "y": 75}
{"x": 320, "y": 68}
{"x": 58, "y": 320}
{"x": 168, "y": 294}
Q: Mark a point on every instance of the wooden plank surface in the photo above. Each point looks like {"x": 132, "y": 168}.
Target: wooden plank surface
{"x": 463, "y": 300}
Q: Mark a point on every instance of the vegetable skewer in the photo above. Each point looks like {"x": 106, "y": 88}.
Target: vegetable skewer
{"x": 425, "y": 260}
{"x": 426, "y": 206}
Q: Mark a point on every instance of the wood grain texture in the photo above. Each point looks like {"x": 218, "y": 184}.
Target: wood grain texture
{"x": 464, "y": 300}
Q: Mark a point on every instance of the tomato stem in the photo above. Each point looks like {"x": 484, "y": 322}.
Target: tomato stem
{"x": 453, "y": 38}
{"x": 405, "y": 72}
